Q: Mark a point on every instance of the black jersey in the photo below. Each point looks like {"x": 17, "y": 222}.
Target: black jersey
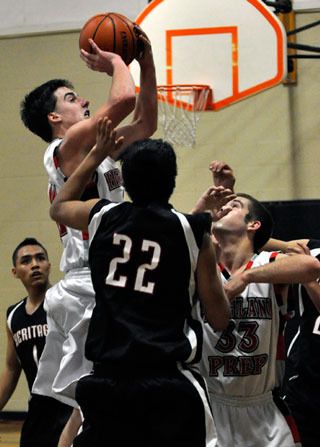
{"x": 28, "y": 332}
{"x": 142, "y": 262}
{"x": 304, "y": 348}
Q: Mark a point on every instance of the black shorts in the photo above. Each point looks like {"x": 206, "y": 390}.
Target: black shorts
{"x": 303, "y": 400}
{"x": 160, "y": 410}
{"x": 44, "y": 423}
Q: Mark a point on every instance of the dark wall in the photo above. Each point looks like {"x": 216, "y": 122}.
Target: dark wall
{"x": 295, "y": 219}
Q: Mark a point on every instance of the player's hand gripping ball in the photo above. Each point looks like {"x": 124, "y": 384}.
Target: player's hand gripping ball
{"x": 111, "y": 32}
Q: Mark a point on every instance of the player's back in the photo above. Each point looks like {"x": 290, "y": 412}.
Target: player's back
{"x": 142, "y": 261}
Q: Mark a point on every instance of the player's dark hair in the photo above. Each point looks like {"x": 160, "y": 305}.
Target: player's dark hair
{"x": 26, "y": 241}
{"x": 149, "y": 170}
{"x": 37, "y": 104}
{"x": 259, "y": 212}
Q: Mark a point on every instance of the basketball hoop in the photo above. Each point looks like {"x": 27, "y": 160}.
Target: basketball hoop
{"x": 179, "y": 107}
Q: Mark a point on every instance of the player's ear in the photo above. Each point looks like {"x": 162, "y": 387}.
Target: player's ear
{"x": 54, "y": 117}
{"x": 254, "y": 225}
{"x": 14, "y": 272}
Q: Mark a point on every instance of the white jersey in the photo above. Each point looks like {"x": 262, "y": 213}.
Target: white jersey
{"x": 106, "y": 183}
{"x": 241, "y": 361}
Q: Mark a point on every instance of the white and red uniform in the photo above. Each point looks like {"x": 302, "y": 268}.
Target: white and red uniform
{"x": 240, "y": 368}
{"x": 69, "y": 303}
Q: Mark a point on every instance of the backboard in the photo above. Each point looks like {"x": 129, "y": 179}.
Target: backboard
{"x": 237, "y": 47}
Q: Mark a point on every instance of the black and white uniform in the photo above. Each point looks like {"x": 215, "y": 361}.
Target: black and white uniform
{"x": 142, "y": 337}
{"x": 240, "y": 366}
{"x": 46, "y": 417}
{"x": 302, "y": 389}
{"x": 69, "y": 303}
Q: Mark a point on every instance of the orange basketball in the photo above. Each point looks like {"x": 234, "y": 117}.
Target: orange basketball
{"x": 111, "y": 32}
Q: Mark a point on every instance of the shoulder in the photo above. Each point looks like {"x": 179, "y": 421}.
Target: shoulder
{"x": 52, "y": 149}
{"x": 14, "y": 307}
{"x": 15, "y": 312}
{"x": 200, "y": 225}
{"x": 201, "y": 220}
{"x": 102, "y": 207}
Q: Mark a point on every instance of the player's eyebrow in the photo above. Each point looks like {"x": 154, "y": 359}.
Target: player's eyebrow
{"x": 35, "y": 255}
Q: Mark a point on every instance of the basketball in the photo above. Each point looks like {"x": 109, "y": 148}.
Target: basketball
{"x": 111, "y": 32}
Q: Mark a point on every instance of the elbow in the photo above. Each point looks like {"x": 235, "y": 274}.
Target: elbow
{"x": 120, "y": 106}
{"x": 314, "y": 269}
{"x": 153, "y": 127}
{"x": 128, "y": 102}
{"x": 53, "y": 212}
{"x": 219, "y": 322}
{"x": 150, "y": 127}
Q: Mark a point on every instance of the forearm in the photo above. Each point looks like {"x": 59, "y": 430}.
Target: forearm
{"x": 147, "y": 105}
{"x": 145, "y": 118}
{"x": 275, "y": 245}
{"x": 8, "y": 383}
{"x": 289, "y": 269}
{"x": 285, "y": 246}
{"x": 122, "y": 96}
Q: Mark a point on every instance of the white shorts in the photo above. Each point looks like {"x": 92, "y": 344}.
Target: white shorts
{"x": 69, "y": 305}
{"x": 250, "y": 422}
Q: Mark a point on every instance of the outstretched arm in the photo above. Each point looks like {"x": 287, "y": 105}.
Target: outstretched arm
{"x": 145, "y": 117}
{"x": 11, "y": 373}
{"x": 215, "y": 303}
{"x": 284, "y": 270}
{"x": 80, "y": 137}
{"x": 293, "y": 246}
{"x": 66, "y": 208}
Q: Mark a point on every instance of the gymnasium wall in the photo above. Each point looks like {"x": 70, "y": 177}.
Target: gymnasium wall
{"x": 271, "y": 140}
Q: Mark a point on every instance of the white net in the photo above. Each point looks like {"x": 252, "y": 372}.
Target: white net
{"x": 179, "y": 107}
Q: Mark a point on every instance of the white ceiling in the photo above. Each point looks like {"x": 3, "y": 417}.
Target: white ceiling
{"x": 28, "y": 16}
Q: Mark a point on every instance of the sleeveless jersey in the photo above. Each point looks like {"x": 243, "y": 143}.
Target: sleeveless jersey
{"x": 106, "y": 183}
{"x": 241, "y": 361}
{"x": 29, "y": 335}
{"x": 142, "y": 262}
{"x": 304, "y": 349}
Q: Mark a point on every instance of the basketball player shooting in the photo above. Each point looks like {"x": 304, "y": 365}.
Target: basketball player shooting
{"x": 58, "y": 115}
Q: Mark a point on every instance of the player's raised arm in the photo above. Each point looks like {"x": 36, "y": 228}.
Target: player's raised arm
{"x": 79, "y": 138}
{"x": 214, "y": 300}
{"x": 285, "y": 270}
{"x": 145, "y": 117}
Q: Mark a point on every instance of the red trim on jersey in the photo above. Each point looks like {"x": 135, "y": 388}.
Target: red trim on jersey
{"x": 227, "y": 274}
{"x": 223, "y": 270}
{"x": 55, "y": 161}
{"x": 273, "y": 256}
{"x": 293, "y": 428}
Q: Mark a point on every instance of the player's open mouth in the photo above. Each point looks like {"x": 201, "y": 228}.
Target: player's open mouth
{"x": 87, "y": 113}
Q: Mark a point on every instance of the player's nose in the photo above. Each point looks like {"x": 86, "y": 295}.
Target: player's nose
{"x": 34, "y": 263}
{"x": 84, "y": 102}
